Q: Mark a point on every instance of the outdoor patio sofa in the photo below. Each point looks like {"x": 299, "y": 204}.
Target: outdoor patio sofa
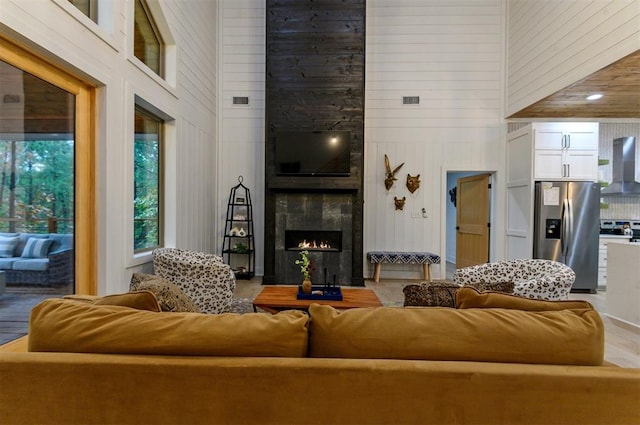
{"x": 48, "y": 260}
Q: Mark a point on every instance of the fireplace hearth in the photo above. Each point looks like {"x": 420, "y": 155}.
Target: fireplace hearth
{"x": 313, "y": 240}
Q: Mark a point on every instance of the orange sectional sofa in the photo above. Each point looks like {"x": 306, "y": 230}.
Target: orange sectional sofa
{"x": 104, "y": 364}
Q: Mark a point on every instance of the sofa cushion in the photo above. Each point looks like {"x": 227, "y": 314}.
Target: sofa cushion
{"x": 8, "y": 246}
{"x": 169, "y": 296}
{"x": 36, "y": 248}
{"x": 31, "y": 264}
{"x": 492, "y": 335}
{"x": 7, "y": 263}
{"x": 472, "y": 298}
{"x": 68, "y": 326}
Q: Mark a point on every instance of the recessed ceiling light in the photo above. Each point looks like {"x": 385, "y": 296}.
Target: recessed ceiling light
{"x": 594, "y": 96}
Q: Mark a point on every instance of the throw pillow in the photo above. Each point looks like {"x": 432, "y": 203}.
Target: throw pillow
{"x": 36, "y": 248}
{"x": 471, "y": 298}
{"x": 8, "y": 246}
{"x": 433, "y": 294}
{"x": 506, "y": 287}
{"x": 170, "y": 297}
{"x": 140, "y": 300}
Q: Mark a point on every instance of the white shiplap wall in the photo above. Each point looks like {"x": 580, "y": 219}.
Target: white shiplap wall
{"x": 554, "y": 43}
{"x": 102, "y": 56}
{"x": 449, "y": 53}
{"x": 241, "y": 150}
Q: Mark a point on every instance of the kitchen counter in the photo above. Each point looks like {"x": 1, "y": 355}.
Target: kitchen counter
{"x": 623, "y": 237}
{"x": 623, "y": 282}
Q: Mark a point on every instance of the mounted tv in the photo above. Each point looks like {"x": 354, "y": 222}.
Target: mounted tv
{"x": 313, "y": 153}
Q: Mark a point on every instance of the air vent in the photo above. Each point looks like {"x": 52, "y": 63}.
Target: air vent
{"x": 410, "y": 100}
{"x": 11, "y": 98}
{"x": 240, "y": 100}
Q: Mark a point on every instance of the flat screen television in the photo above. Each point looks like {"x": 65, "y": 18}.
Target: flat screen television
{"x": 313, "y": 153}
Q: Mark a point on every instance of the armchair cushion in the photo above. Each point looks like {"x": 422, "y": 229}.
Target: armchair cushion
{"x": 170, "y": 297}
{"x": 205, "y": 278}
{"x": 532, "y": 278}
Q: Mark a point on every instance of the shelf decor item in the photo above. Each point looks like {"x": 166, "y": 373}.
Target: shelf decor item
{"x": 238, "y": 248}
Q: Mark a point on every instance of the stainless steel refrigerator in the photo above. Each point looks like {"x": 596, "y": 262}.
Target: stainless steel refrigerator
{"x": 566, "y": 228}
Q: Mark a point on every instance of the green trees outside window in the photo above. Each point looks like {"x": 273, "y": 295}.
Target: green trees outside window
{"x": 147, "y": 182}
{"x": 36, "y": 186}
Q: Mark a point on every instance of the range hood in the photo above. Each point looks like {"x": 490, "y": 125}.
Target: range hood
{"x": 626, "y": 173}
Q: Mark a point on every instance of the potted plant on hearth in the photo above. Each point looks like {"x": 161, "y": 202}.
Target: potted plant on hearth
{"x": 307, "y": 269}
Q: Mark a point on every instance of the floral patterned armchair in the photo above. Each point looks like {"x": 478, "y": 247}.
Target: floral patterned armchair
{"x": 205, "y": 278}
{"x": 532, "y": 278}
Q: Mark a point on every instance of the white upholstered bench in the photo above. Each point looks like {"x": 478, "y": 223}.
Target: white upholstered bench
{"x": 399, "y": 257}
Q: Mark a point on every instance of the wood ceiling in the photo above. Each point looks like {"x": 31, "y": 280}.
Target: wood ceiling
{"x": 618, "y": 82}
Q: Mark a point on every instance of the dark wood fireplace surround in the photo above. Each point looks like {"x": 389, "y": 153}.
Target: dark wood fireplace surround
{"x": 314, "y": 81}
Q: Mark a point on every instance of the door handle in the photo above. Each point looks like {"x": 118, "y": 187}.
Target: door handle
{"x": 568, "y": 230}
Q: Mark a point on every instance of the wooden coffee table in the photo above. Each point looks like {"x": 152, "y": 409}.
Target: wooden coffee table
{"x": 277, "y": 298}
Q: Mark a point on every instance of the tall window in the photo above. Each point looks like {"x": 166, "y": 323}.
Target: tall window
{"x": 147, "y": 191}
{"x": 88, "y": 7}
{"x": 147, "y": 42}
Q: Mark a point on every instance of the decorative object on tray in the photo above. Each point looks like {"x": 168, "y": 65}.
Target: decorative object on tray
{"x": 413, "y": 182}
{"x": 328, "y": 291}
{"x": 390, "y": 176}
{"x": 307, "y": 270}
{"x": 399, "y": 202}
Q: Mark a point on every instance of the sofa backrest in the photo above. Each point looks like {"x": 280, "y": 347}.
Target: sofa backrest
{"x": 568, "y": 337}
{"x": 59, "y": 325}
{"x": 61, "y": 241}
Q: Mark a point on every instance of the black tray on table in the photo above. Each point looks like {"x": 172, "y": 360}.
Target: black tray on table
{"x": 329, "y": 293}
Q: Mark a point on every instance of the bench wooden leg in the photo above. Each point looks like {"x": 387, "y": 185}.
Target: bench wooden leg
{"x": 426, "y": 272}
{"x": 376, "y": 272}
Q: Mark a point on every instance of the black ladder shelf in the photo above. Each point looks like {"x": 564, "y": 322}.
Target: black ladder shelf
{"x": 238, "y": 249}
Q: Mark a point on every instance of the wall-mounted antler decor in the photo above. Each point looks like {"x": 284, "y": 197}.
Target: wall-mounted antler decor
{"x": 390, "y": 176}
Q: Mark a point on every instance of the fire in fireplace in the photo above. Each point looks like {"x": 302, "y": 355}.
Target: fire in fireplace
{"x": 313, "y": 240}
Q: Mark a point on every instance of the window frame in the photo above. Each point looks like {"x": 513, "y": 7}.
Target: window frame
{"x": 158, "y": 35}
{"x": 93, "y": 9}
{"x": 86, "y": 234}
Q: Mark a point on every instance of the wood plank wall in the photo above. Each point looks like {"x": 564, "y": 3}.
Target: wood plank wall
{"x": 554, "y": 43}
{"x": 314, "y": 81}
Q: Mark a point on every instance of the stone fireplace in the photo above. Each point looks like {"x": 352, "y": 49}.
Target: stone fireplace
{"x": 314, "y": 81}
{"x": 322, "y": 222}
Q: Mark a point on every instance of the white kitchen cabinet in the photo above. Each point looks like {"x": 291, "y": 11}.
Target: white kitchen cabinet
{"x": 565, "y": 151}
{"x": 603, "y": 255}
{"x": 542, "y": 151}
